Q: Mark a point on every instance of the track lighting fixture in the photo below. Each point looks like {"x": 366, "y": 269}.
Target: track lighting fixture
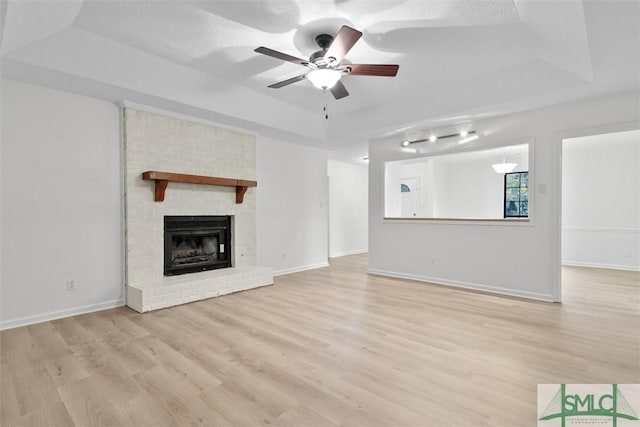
{"x": 467, "y": 135}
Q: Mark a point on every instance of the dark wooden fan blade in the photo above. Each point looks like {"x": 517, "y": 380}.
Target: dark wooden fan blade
{"x": 384, "y": 70}
{"x": 288, "y": 81}
{"x": 279, "y": 55}
{"x": 342, "y": 43}
{"x": 339, "y": 91}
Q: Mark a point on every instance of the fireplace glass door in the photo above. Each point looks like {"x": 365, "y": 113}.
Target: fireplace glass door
{"x": 196, "y": 243}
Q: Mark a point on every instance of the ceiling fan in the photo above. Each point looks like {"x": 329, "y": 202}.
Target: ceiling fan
{"x": 325, "y": 64}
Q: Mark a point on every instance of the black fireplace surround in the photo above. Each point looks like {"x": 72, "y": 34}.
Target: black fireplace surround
{"x": 196, "y": 243}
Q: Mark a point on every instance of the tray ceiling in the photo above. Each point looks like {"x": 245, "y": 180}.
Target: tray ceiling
{"x": 458, "y": 58}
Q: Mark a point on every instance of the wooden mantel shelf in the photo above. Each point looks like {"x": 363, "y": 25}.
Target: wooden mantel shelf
{"x": 162, "y": 179}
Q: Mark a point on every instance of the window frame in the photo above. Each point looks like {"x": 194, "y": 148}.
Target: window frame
{"x": 520, "y": 201}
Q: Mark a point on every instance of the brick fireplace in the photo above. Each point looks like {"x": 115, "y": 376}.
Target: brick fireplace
{"x": 157, "y": 142}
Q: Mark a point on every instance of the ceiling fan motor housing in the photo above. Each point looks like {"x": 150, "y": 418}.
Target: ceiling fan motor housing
{"x": 323, "y": 41}
{"x": 317, "y": 58}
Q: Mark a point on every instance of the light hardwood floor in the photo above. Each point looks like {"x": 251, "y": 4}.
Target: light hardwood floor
{"x": 328, "y": 347}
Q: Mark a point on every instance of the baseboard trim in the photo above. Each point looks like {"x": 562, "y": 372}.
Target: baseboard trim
{"x": 53, "y": 315}
{"x": 299, "y": 269}
{"x": 605, "y": 266}
{"x": 465, "y": 285}
{"x": 353, "y": 252}
{"x": 602, "y": 230}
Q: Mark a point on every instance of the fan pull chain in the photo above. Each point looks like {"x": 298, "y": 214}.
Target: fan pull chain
{"x": 326, "y": 106}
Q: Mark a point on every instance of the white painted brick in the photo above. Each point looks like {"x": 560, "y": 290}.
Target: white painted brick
{"x": 230, "y": 280}
{"x": 157, "y": 142}
{"x": 168, "y": 290}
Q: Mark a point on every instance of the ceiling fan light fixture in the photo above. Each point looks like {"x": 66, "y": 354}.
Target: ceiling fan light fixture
{"x": 324, "y": 78}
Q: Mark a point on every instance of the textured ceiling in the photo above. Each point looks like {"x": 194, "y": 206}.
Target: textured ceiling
{"x": 457, "y": 58}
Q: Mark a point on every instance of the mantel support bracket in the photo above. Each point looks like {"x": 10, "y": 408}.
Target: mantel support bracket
{"x": 158, "y": 193}
{"x": 240, "y": 190}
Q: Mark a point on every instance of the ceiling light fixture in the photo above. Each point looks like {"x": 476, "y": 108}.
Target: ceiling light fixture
{"x": 471, "y": 135}
{"x": 468, "y": 139}
{"x": 504, "y": 167}
{"x": 464, "y": 133}
{"x": 324, "y": 78}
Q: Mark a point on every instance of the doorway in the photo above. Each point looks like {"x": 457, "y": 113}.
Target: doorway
{"x": 409, "y": 201}
{"x": 600, "y": 202}
{"x": 348, "y": 208}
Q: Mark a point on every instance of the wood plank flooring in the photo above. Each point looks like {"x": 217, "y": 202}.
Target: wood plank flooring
{"x": 328, "y": 347}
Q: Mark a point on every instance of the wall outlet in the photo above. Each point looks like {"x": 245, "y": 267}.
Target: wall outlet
{"x": 284, "y": 255}
{"x": 627, "y": 254}
{"x": 433, "y": 261}
{"x": 71, "y": 284}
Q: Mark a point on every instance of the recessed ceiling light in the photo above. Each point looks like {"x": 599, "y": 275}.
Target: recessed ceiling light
{"x": 464, "y": 133}
{"x": 405, "y": 143}
{"x": 433, "y": 138}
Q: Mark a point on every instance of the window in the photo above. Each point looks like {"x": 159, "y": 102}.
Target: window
{"x": 516, "y": 195}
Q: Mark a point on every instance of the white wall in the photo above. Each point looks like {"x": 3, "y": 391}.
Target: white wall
{"x": 61, "y": 204}
{"x": 348, "y": 208}
{"x": 512, "y": 258}
{"x": 393, "y": 198}
{"x": 601, "y": 201}
{"x": 475, "y": 190}
{"x": 291, "y": 206}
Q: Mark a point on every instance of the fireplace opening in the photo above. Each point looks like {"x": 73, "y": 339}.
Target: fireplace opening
{"x": 196, "y": 243}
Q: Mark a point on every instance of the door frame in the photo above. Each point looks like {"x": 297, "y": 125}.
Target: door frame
{"x": 557, "y": 200}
